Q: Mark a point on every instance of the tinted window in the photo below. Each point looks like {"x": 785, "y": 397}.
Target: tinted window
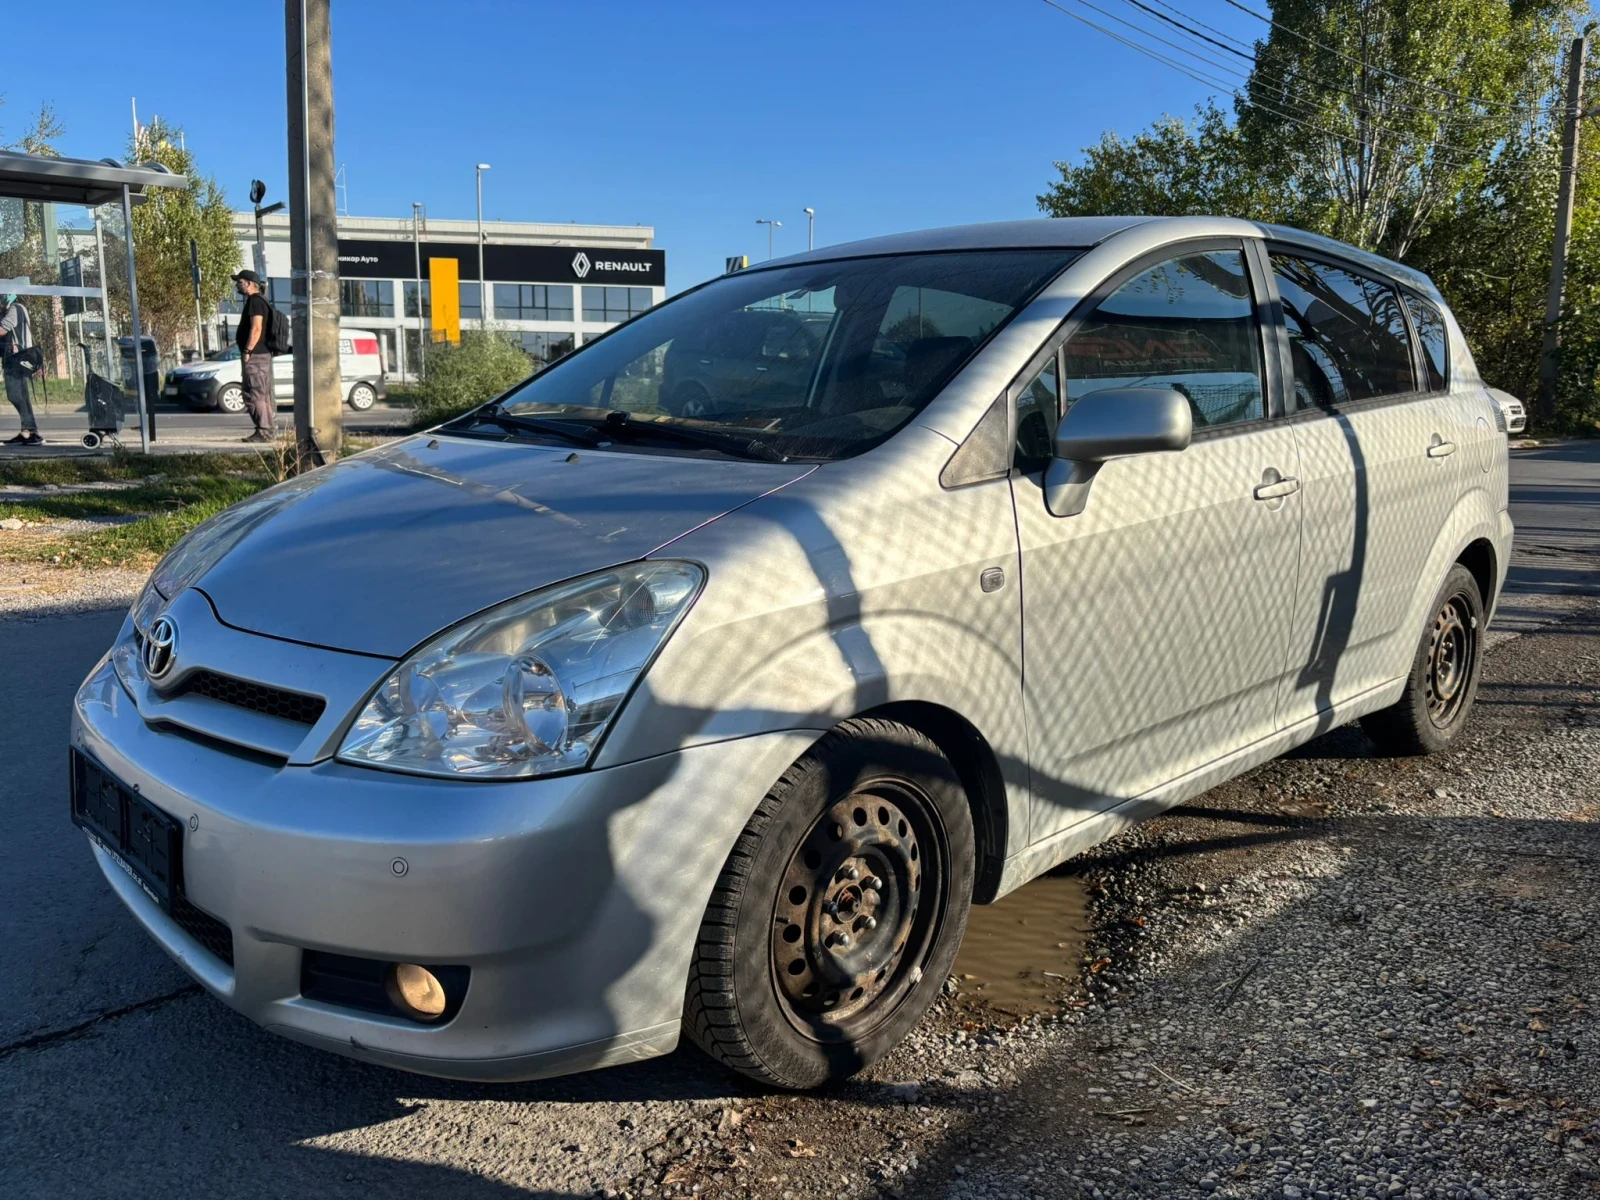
{"x": 822, "y": 360}
{"x": 1346, "y": 333}
{"x": 1435, "y": 345}
{"x": 1187, "y": 323}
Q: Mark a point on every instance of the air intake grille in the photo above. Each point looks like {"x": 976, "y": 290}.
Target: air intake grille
{"x": 257, "y": 697}
{"x": 203, "y": 928}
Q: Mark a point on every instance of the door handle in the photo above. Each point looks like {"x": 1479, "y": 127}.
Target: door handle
{"x": 1278, "y": 489}
{"x": 1440, "y": 449}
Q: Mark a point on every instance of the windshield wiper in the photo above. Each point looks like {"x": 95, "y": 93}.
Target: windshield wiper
{"x": 622, "y": 424}
{"x": 580, "y": 435}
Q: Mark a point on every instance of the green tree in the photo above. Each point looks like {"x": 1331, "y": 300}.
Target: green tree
{"x": 1425, "y": 131}
{"x": 162, "y": 228}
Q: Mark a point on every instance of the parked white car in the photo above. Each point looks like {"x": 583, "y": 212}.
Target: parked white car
{"x": 530, "y": 743}
{"x": 1511, "y": 409}
{"x": 217, "y": 383}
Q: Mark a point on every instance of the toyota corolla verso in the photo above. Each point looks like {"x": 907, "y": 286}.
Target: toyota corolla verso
{"x": 704, "y": 680}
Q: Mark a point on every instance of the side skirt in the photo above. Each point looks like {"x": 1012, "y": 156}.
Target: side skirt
{"x": 1040, "y": 857}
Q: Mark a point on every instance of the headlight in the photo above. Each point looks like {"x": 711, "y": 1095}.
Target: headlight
{"x": 529, "y": 687}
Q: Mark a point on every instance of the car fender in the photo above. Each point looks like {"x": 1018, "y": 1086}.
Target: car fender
{"x": 856, "y": 587}
{"x": 1472, "y": 518}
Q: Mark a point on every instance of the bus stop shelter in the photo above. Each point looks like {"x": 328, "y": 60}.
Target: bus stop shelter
{"x": 91, "y": 183}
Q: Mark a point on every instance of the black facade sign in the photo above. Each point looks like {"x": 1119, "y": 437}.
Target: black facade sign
{"x": 366, "y": 259}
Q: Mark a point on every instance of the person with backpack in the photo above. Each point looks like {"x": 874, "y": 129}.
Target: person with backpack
{"x": 19, "y": 359}
{"x": 256, "y": 323}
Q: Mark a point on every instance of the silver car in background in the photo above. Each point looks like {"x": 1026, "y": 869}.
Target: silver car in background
{"x": 701, "y": 682}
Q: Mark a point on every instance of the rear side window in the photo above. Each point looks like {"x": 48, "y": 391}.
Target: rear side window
{"x": 1435, "y": 344}
{"x": 1187, "y": 323}
{"x": 1347, "y": 335}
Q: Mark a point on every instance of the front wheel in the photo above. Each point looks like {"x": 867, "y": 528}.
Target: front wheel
{"x": 838, "y": 914}
{"x": 1443, "y": 682}
{"x": 231, "y": 399}
{"x": 362, "y": 397}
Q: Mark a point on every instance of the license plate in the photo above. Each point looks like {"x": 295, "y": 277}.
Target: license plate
{"x": 140, "y": 838}
{"x": 170, "y": 391}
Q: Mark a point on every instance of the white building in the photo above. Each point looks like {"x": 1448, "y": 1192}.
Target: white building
{"x": 550, "y": 286}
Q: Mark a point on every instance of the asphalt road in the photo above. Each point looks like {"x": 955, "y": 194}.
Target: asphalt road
{"x": 117, "y": 1076}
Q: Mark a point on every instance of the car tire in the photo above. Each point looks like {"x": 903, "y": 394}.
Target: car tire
{"x": 362, "y": 397}
{"x": 774, "y": 991}
{"x": 1443, "y": 682}
{"x": 231, "y": 398}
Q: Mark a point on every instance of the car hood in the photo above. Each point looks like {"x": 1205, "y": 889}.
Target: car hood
{"x": 381, "y": 551}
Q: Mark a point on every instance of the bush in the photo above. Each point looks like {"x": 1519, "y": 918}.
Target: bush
{"x": 463, "y": 376}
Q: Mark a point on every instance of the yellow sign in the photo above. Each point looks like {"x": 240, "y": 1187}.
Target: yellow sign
{"x": 444, "y": 282}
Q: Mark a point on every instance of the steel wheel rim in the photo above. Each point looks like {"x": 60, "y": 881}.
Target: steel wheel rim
{"x": 1452, "y": 656}
{"x": 889, "y": 910}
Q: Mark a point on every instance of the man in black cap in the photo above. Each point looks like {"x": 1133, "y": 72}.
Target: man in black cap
{"x": 254, "y": 356}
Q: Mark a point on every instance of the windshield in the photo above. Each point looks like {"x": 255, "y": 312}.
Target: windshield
{"x": 821, "y": 361}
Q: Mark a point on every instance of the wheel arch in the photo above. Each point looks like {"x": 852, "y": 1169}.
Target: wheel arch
{"x": 1478, "y": 556}
{"x": 978, "y": 767}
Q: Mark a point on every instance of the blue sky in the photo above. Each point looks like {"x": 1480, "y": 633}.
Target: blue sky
{"x": 695, "y": 116}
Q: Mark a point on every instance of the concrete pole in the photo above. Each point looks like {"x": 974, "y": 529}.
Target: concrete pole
{"x": 313, "y": 233}
{"x": 1546, "y": 405}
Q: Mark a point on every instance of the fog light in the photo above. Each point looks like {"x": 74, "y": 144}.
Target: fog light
{"x": 416, "y": 991}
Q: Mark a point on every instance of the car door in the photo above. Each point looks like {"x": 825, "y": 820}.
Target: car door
{"x": 1155, "y": 621}
{"x": 1380, "y": 458}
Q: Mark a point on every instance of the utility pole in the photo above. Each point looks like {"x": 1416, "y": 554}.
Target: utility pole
{"x": 313, "y": 233}
{"x": 194, "y": 275}
{"x": 1545, "y": 407}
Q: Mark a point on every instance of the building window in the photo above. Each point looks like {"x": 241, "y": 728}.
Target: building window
{"x": 543, "y": 348}
{"x": 532, "y": 302}
{"x": 471, "y": 304}
{"x": 366, "y": 297}
{"x": 411, "y": 299}
{"x": 614, "y": 303}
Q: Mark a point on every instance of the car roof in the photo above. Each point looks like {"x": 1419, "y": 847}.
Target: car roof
{"x": 1084, "y": 232}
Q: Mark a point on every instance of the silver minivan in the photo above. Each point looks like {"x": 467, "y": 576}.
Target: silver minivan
{"x": 525, "y": 745}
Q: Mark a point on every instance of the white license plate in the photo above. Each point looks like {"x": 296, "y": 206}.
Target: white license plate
{"x": 169, "y": 391}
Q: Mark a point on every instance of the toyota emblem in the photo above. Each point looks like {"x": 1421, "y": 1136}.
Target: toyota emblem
{"x": 160, "y": 647}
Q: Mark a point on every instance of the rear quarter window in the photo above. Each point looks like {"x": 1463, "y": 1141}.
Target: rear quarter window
{"x": 1435, "y": 342}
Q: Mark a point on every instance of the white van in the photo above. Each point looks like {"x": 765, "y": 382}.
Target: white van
{"x": 216, "y": 383}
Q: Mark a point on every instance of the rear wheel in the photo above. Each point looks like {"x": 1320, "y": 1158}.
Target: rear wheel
{"x": 362, "y": 397}
{"x": 231, "y": 398}
{"x": 839, "y": 912}
{"x": 1443, "y": 683}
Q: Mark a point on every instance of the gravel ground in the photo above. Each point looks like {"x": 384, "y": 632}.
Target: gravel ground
{"x": 1339, "y": 975}
{"x": 30, "y": 591}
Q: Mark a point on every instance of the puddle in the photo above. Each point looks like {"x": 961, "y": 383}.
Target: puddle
{"x": 1021, "y": 954}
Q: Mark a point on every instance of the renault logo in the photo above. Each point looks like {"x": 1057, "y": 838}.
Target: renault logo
{"x": 160, "y": 647}
{"x": 580, "y": 265}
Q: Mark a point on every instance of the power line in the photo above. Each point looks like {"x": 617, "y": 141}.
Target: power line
{"x": 1281, "y": 82}
{"x": 1200, "y": 77}
{"x": 1246, "y": 9}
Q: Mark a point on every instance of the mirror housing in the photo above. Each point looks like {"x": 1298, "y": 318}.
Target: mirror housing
{"x": 1113, "y": 423}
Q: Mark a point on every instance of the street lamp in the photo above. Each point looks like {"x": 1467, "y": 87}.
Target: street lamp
{"x": 811, "y": 228}
{"x": 483, "y": 291}
{"x": 771, "y": 225}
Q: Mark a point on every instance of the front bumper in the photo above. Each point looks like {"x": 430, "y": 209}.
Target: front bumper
{"x": 573, "y": 900}
{"x": 197, "y": 391}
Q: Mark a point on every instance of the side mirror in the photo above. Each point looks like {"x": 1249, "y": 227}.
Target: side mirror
{"x": 1113, "y": 423}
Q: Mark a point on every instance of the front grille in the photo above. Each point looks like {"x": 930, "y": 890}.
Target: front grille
{"x": 211, "y": 933}
{"x": 257, "y": 697}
